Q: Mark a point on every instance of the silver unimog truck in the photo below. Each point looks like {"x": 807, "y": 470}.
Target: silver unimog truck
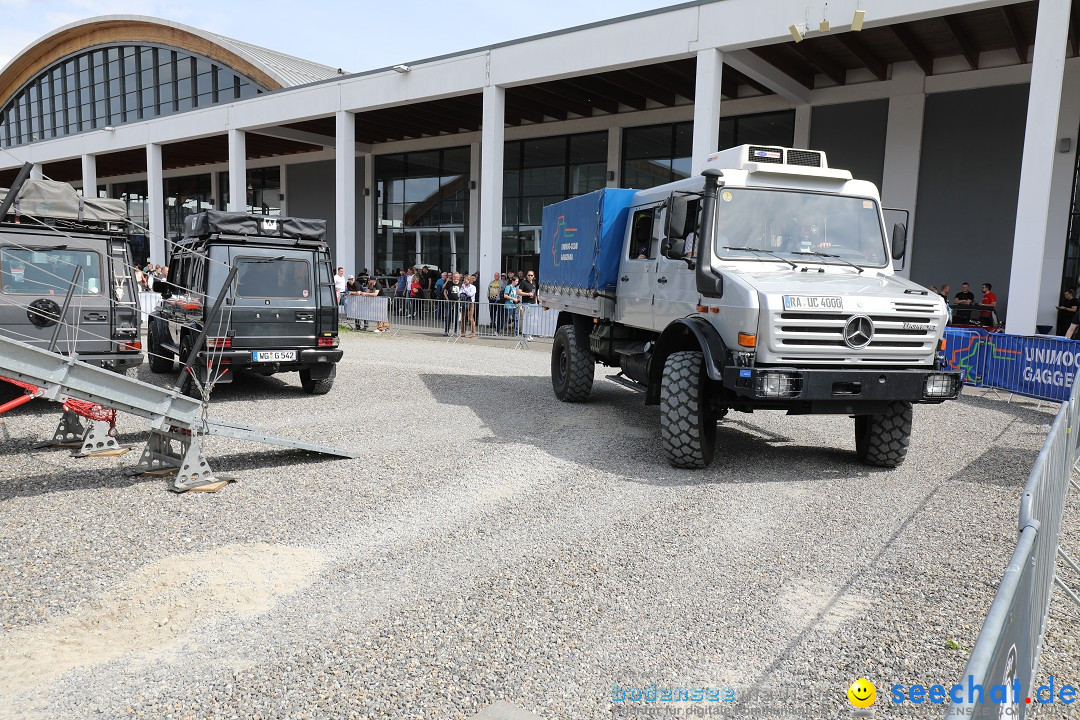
{"x": 766, "y": 283}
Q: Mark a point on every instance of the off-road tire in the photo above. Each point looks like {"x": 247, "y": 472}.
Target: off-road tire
{"x": 882, "y": 440}
{"x": 315, "y": 387}
{"x": 687, "y": 417}
{"x": 187, "y": 385}
{"x": 159, "y": 359}
{"x": 572, "y": 367}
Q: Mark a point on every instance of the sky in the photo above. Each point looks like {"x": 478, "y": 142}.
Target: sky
{"x": 356, "y": 36}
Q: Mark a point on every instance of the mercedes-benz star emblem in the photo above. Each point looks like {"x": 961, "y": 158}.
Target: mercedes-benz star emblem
{"x": 858, "y": 332}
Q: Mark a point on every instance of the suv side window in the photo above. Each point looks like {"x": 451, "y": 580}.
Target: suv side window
{"x": 642, "y": 236}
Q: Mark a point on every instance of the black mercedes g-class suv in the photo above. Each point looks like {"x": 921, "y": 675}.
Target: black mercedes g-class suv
{"x": 66, "y": 260}
{"x": 279, "y": 313}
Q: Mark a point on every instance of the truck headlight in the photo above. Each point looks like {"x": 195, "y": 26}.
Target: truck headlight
{"x": 941, "y": 385}
{"x": 777, "y": 384}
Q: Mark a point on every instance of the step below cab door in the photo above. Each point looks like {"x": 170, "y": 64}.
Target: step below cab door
{"x": 637, "y": 270}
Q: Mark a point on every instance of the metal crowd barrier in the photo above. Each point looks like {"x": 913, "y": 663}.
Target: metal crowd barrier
{"x": 454, "y": 320}
{"x": 148, "y": 303}
{"x": 1010, "y": 642}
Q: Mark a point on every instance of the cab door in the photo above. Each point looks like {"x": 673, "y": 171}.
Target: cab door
{"x": 637, "y": 271}
{"x": 678, "y": 296}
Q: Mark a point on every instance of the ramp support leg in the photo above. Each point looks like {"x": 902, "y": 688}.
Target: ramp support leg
{"x": 100, "y": 441}
{"x": 179, "y": 450}
{"x": 70, "y": 432}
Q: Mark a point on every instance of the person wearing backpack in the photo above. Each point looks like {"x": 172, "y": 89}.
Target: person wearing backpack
{"x": 452, "y": 295}
{"x": 495, "y": 300}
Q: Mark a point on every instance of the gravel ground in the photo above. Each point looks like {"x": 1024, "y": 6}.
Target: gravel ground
{"x": 493, "y": 544}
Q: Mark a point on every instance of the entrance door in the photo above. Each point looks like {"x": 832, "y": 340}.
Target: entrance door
{"x": 637, "y": 273}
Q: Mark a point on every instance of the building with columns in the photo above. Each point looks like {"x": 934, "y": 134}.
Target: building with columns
{"x": 965, "y": 113}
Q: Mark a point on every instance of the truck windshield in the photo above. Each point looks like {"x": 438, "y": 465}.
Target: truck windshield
{"x": 800, "y": 226}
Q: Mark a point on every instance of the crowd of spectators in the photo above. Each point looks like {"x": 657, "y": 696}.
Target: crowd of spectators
{"x": 461, "y": 294}
{"x": 963, "y": 310}
{"x": 149, "y": 274}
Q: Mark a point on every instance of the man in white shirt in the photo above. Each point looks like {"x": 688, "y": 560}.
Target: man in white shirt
{"x": 341, "y": 284}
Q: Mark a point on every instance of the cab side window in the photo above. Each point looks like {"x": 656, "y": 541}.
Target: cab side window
{"x": 642, "y": 238}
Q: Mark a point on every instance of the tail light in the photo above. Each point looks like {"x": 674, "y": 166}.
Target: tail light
{"x": 219, "y": 343}
{"x": 327, "y": 342}
{"x": 133, "y": 346}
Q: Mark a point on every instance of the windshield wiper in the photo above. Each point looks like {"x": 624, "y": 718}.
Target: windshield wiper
{"x": 826, "y": 255}
{"x": 770, "y": 253}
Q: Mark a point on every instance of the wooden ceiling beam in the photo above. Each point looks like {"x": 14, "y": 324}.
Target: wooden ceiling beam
{"x": 545, "y": 96}
{"x": 913, "y": 47}
{"x": 610, "y": 90}
{"x": 826, "y": 67}
{"x": 871, "y": 62}
{"x": 652, "y": 90}
{"x": 1008, "y": 14}
{"x": 523, "y": 104}
{"x": 595, "y": 100}
{"x": 665, "y": 76}
{"x": 963, "y": 41}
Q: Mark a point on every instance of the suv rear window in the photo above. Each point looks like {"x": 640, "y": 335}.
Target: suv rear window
{"x": 49, "y": 272}
{"x": 258, "y": 278}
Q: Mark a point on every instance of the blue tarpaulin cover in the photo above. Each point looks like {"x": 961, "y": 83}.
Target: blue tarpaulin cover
{"x": 582, "y": 241}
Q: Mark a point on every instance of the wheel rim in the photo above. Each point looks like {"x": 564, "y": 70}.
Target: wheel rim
{"x": 564, "y": 363}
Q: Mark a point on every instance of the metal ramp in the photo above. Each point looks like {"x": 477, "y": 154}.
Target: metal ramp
{"x": 176, "y": 421}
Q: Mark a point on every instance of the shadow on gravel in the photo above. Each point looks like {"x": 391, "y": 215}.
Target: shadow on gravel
{"x": 991, "y": 467}
{"x": 569, "y": 438}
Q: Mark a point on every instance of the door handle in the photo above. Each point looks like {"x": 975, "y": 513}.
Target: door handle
{"x": 625, "y": 278}
{"x": 661, "y": 280}
{"x": 95, "y": 317}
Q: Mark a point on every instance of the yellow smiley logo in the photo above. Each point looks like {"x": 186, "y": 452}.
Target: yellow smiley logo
{"x": 862, "y": 693}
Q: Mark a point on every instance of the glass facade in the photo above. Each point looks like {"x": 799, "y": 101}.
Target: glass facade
{"x": 422, "y": 209}
{"x": 185, "y": 196}
{"x": 263, "y": 191}
{"x": 137, "y": 203}
{"x": 658, "y": 154}
{"x": 540, "y": 172}
{"x": 115, "y": 84}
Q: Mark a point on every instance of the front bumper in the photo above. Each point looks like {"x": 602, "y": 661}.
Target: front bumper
{"x": 829, "y": 390}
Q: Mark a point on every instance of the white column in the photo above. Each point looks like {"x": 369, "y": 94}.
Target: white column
{"x": 1060, "y": 198}
{"x": 802, "y": 126}
{"x": 237, "y": 171}
{"x": 474, "y": 208}
{"x": 345, "y": 192}
{"x": 368, "y": 231}
{"x": 491, "y": 181}
{"x": 36, "y": 172}
{"x": 710, "y": 71}
{"x": 215, "y": 190}
{"x": 614, "y": 155}
{"x": 283, "y": 190}
{"x": 900, "y": 175}
{"x": 155, "y": 199}
{"x": 1036, "y": 170}
{"x": 89, "y": 176}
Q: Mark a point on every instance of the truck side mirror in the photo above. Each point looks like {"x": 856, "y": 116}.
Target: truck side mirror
{"x": 899, "y": 240}
{"x": 676, "y": 215}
